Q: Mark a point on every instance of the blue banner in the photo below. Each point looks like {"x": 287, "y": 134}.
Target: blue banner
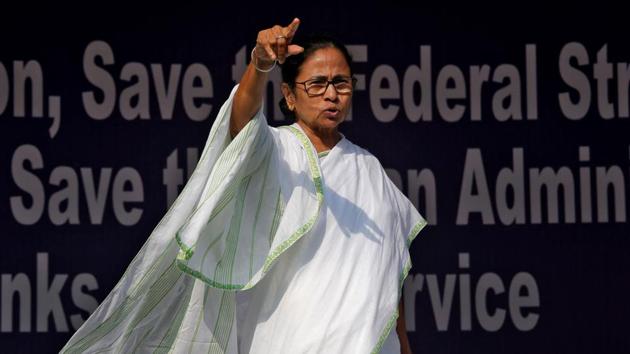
{"x": 508, "y": 128}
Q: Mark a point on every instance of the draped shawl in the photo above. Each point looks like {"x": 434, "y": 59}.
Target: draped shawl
{"x": 269, "y": 248}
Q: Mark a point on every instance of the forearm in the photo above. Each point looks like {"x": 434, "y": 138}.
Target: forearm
{"x": 247, "y": 99}
{"x": 272, "y": 44}
{"x": 401, "y": 330}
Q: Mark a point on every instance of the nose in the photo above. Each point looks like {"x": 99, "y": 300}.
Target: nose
{"x": 330, "y": 94}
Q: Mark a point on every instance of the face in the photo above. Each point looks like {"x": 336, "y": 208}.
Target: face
{"x": 325, "y": 111}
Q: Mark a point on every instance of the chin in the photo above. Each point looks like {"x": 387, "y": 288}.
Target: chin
{"x": 330, "y": 123}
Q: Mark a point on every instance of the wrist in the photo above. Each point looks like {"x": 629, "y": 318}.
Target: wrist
{"x": 261, "y": 65}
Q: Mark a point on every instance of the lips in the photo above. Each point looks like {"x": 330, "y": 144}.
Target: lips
{"x": 331, "y": 113}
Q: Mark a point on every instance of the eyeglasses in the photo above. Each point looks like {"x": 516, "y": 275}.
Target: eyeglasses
{"x": 318, "y": 86}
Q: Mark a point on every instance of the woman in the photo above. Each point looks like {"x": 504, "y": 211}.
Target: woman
{"x": 288, "y": 240}
{"x": 317, "y": 88}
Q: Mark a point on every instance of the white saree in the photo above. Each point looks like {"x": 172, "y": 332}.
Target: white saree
{"x": 269, "y": 248}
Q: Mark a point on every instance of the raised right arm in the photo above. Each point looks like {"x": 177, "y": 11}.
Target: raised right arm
{"x": 272, "y": 44}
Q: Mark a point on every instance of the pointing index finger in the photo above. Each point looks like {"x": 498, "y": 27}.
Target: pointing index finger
{"x": 292, "y": 28}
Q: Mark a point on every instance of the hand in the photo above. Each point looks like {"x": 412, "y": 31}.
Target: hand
{"x": 275, "y": 43}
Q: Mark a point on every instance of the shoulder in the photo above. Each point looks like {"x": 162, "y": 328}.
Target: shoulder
{"x": 287, "y": 144}
{"x": 370, "y": 166}
{"x": 283, "y": 135}
{"x": 361, "y": 155}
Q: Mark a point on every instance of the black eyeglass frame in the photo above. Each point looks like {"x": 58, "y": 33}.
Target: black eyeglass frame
{"x": 353, "y": 81}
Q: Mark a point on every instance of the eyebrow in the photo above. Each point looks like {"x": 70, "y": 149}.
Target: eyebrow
{"x": 323, "y": 77}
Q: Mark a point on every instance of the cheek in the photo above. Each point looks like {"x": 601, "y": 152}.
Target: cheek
{"x": 305, "y": 109}
{"x": 347, "y": 102}
{"x": 306, "y": 106}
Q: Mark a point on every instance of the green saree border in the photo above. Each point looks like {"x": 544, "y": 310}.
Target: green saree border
{"x": 319, "y": 190}
{"x": 392, "y": 320}
{"x": 186, "y": 251}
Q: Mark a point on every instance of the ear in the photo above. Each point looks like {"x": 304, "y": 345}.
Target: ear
{"x": 288, "y": 94}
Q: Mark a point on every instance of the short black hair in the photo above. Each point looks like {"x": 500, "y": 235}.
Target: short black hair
{"x": 293, "y": 63}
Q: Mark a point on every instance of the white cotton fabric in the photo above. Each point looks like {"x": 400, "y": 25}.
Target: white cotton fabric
{"x": 268, "y": 249}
